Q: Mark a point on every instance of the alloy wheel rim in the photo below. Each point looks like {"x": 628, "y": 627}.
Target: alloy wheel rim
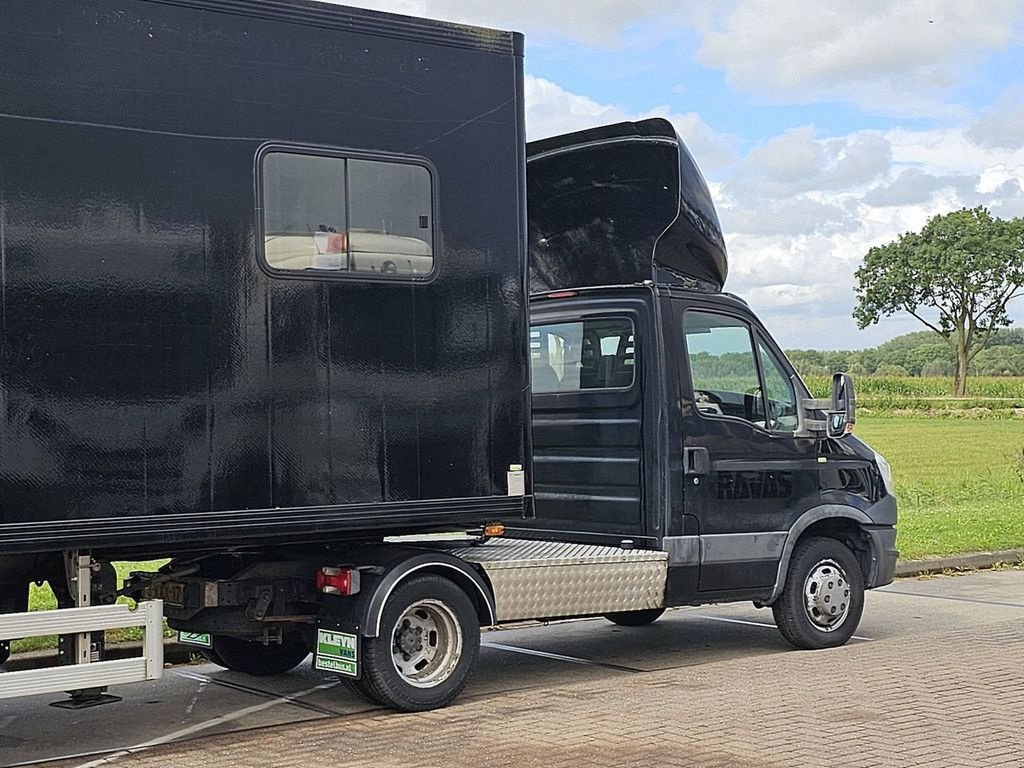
{"x": 426, "y": 644}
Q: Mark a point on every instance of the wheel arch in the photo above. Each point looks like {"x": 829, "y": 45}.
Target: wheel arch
{"x": 439, "y": 564}
{"x": 836, "y": 521}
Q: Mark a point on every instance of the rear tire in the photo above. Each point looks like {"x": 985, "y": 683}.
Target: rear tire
{"x": 635, "y": 618}
{"x": 823, "y": 598}
{"x": 427, "y": 647}
{"x": 212, "y": 656}
{"x": 360, "y": 689}
{"x": 252, "y": 657}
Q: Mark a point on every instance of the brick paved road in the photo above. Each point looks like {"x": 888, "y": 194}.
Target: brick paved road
{"x": 951, "y": 698}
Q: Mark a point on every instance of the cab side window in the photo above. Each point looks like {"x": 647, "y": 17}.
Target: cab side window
{"x": 594, "y": 353}
{"x": 723, "y": 369}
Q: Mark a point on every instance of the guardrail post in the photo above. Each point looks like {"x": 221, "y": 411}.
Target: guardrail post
{"x": 78, "y": 567}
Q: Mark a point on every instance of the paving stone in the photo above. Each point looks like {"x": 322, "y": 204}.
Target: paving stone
{"x": 948, "y": 699}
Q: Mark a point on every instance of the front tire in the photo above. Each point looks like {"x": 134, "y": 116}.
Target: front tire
{"x": 823, "y": 598}
{"x": 427, "y": 647}
{"x": 252, "y": 657}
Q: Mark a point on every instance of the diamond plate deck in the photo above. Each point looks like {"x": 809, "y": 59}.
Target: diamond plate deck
{"x": 546, "y": 580}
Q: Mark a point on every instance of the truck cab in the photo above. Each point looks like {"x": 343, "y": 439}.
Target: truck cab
{"x": 665, "y": 416}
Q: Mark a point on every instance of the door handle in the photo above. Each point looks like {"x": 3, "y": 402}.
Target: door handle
{"x": 696, "y": 461}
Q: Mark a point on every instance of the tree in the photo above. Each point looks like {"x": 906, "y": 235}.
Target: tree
{"x": 956, "y": 276}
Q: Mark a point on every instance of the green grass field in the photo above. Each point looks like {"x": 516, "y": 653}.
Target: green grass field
{"x": 999, "y": 397}
{"x": 958, "y": 481}
{"x": 981, "y": 387}
{"x": 41, "y": 597}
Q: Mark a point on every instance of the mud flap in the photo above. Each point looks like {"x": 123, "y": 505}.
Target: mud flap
{"x": 337, "y": 649}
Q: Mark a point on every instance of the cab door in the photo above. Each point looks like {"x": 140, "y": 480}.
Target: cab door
{"x": 747, "y": 477}
{"x": 588, "y": 421}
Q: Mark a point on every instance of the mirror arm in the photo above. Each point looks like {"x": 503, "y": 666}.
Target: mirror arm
{"x": 806, "y": 426}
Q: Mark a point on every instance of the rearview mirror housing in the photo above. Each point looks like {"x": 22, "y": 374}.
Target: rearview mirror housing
{"x": 842, "y": 413}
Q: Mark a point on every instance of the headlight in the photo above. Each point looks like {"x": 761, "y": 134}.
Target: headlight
{"x": 886, "y": 471}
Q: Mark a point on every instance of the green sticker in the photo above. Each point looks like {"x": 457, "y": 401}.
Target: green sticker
{"x": 202, "y": 639}
{"x": 337, "y": 652}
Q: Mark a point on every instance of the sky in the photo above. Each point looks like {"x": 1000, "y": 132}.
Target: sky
{"x": 823, "y": 129}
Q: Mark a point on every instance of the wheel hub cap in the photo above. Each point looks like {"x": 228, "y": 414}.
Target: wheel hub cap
{"x": 827, "y": 595}
{"x": 427, "y": 643}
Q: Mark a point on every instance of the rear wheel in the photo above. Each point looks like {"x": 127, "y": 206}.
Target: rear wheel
{"x": 254, "y": 658}
{"x": 823, "y": 598}
{"x": 427, "y": 646}
{"x": 635, "y": 618}
{"x": 212, "y": 656}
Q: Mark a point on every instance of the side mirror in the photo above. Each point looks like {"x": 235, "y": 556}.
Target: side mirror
{"x": 842, "y": 413}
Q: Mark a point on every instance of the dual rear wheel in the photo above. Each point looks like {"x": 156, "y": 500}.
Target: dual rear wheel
{"x": 425, "y": 649}
{"x": 421, "y": 659}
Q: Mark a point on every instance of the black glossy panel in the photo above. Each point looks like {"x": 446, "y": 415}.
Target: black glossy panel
{"x": 150, "y": 365}
{"x": 587, "y": 472}
{"x": 850, "y": 475}
{"x": 617, "y": 205}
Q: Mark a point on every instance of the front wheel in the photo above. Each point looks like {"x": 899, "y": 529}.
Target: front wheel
{"x": 427, "y": 646}
{"x": 823, "y": 598}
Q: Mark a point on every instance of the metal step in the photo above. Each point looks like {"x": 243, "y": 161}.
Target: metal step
{"x": 551, "y": 579}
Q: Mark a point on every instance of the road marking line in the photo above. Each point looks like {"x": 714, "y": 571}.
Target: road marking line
{"x": 232, "y": 686}
{"x": 754, "y": 623}
{"x": 195, "y": 697}
{"x": 951, "y": 597}
{"x": 205, "y": 725}
{"x": 559, "y": 657}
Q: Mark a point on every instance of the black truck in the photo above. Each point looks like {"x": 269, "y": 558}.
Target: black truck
{"x": 287, "y": 300}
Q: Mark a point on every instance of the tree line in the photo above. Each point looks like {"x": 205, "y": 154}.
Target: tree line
{"x": 916, "y": 354}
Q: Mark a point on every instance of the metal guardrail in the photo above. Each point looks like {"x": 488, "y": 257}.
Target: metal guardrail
{"x": 65, "y": 621}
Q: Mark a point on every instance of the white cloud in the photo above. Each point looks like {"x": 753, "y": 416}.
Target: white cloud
{"x": 796, "y": 161}
{"x": 895, "y": 57}
{"x": 596, "y": 22}
{"x": 552, "y": 110}
{"x": 1002, "y": 124}
{"x": 787, "y": 216}
{"x": 916, "y": 186}
{"x": 800, "y": 210}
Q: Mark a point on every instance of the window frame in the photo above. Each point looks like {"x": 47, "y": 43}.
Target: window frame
{"x": 583, "y": 318}
{"x": 761, "y": 338}
{"x": 315, "y": 150}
